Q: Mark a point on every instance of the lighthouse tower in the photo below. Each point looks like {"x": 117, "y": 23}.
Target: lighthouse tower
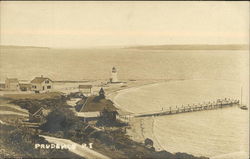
{"x": 113, "y": 75}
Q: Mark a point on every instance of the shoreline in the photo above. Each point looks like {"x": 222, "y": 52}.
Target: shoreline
{"x": 140, "y": 129}
{"x": 113, "y": 95}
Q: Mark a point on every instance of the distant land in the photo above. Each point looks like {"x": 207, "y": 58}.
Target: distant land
{"x": 22, "y": 47}
{"x": 191, "y": 47}
{"x": 152, "y": 47}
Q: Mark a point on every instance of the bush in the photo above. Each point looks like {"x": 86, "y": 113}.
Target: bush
{"x": 59, "y": 119}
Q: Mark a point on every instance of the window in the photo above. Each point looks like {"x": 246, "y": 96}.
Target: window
{"x": 33, "y": 86}
{"x": 47, "y": 81}
{"x": 48, "y": 87}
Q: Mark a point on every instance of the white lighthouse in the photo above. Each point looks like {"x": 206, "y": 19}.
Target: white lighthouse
{"x": 113, "y": 75}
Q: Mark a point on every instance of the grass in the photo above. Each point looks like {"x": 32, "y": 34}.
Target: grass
{"x": 6, "y": 108}
{"x": 11, "y": 117}
{"x": 48, "y": 95}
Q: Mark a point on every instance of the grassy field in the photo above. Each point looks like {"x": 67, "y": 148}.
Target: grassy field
{"x": 6, "y": 108}
{"x": 11, "y": 118}
{"x": 48, "y": 95}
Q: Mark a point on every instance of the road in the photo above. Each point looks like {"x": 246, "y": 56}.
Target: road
{"x": 79, "y": 149}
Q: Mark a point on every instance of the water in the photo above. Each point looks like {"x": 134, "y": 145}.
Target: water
{"x": 177, "y": 93}
{"x": 208, "y": 75}
{"x": 211, "y": 133}
{"x": 67, "y": 64}
{"x": 208, "y": 133}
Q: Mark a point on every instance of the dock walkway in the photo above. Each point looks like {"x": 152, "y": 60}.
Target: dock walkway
{"x": 220, "y": 103}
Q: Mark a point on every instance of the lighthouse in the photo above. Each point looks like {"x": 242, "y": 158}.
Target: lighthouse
{"x": 113, "y": 78}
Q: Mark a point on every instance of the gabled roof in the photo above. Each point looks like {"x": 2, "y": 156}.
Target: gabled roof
{"x": 39, "y": 79}
{"x": 12, "y": 80}
{"x": 85, "y": 86}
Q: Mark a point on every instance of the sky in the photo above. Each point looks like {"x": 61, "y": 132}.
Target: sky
{"x": 77, "y": 24}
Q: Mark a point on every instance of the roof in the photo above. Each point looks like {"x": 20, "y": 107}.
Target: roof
{"x": 88, "y": 114}
{"x": 92, "y": 106}
{"x": 85, "y": 86}
{"x": 12, "y": 80}
{"x": 39, "y": 79}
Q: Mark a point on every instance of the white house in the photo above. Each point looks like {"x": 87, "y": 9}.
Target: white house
{"x": 12, "y": 84}
{"x": 41, "y": 84}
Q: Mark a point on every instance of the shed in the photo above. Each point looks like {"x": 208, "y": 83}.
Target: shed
{"x": 25, "y": 86}
{"x": 85, "y": 89}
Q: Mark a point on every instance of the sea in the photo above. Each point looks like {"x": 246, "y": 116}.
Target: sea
{"x": 193, "y": 76}
{"x": 220, "y": 133}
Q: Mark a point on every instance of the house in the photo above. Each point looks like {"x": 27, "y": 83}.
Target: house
{"x": 12, "y": 84}
{"x": 86, "y": 89}
{"x": 25, "y": 86}
{"x": 2, "y": 86}
{"x": 41, "y": 84}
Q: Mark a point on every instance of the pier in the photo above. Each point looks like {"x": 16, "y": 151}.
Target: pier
{"x": 220, "y": 103}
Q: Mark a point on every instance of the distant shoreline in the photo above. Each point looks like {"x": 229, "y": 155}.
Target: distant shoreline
{"x": 192, "y": 47}
{"x": 148, "y": 47}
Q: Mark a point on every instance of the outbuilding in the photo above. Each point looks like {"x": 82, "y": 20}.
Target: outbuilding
{"x": 85, "y": 89}
{"x": 12, "y": 84}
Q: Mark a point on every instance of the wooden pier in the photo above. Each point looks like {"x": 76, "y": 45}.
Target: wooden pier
{"x": 220, "y": 103}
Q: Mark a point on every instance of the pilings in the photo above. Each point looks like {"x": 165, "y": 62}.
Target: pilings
{"x": 220, "y": 103}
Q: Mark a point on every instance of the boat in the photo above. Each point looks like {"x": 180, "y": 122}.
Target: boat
{"x": 243, "y": 107}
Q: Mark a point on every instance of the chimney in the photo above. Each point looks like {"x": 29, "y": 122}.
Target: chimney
{"x": 42, "y": 76}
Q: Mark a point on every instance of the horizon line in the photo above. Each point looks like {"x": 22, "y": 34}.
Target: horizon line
{"x": 124, "y": 46}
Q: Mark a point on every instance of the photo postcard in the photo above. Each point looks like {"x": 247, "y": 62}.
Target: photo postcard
{"x": 124, "y": 80}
